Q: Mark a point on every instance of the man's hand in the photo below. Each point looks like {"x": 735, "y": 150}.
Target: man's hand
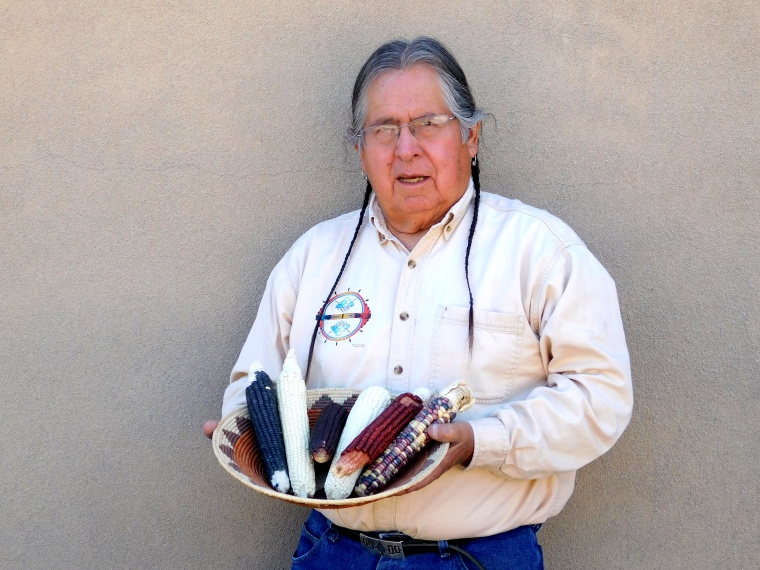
{"x": 461, "y": 441}
{"x": 209, "y": 427}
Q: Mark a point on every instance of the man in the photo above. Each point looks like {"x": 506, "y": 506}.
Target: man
{"x": 461, "y": 285}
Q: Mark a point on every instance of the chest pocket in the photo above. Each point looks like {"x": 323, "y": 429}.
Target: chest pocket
{"x": 491, "y": 371}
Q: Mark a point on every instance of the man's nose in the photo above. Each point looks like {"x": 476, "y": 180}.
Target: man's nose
{"x": 407, "y": 144}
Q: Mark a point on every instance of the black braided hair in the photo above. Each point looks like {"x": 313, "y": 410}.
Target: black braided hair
{"x": 367, "y": 194}
{"x": 476, "y": 184}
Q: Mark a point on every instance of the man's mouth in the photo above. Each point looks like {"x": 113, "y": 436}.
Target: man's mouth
{"x": 411, "y": 179}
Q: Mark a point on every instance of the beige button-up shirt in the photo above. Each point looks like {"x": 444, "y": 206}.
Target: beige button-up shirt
{"x": 549, "y": 369}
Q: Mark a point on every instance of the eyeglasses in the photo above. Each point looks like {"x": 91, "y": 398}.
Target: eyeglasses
{"x": 423, "y": 129}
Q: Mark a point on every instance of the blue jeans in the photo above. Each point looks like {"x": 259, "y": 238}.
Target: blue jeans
{"x": 322, "y": 547}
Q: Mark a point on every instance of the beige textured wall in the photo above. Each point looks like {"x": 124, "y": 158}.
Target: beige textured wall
{"x": 157, "y": 158}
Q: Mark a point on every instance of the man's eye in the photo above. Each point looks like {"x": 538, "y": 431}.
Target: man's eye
{"x": 386, "y": 129}
{"x": 426, "y": 123}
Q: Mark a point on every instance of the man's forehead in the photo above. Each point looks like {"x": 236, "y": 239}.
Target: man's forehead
{"x": 403, "y": 95}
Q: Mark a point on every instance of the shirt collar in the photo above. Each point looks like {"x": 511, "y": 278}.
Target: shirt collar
{"x": 447, "y": 226}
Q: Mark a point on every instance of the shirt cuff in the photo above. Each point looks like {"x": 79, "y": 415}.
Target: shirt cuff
{"x": 234, "y": 396}
{"x": 491, "y": 443}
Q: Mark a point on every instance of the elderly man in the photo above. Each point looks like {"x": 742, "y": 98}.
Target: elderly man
{"x": 447, "y": 283}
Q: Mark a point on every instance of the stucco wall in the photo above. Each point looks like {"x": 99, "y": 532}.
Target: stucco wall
{"x": 157, "y": 158}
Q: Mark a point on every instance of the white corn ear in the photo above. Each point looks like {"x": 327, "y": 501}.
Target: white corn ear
{"x": 370, "y": 404}
{"x": 291, "y": 400}
{"x": 423, "y": 393}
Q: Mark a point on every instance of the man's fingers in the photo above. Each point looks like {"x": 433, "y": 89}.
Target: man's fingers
{"x": 209, "y": 427}
{"x": 462, "y": 439}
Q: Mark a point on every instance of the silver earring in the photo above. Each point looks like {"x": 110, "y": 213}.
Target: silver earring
{"x": 364, "y": 174}
{"x": 475, "y": 160}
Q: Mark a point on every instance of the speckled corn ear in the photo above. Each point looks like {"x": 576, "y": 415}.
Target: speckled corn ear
{"x": 291, "y": 397}
{"x": 262, "y": 407}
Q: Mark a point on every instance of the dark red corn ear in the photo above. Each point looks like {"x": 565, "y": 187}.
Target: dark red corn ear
{"x": 326, "y": 432}
{"x": 408, "y": 444}
{"x": 373, "y": 440}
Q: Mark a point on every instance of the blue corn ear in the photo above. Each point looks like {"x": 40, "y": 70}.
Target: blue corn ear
{"x": 261, "y": 398}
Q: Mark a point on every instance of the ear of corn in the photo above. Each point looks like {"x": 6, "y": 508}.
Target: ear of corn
{"x": 413, "y": 438}
{"x": 370, "y": 404}
{"x": 262, "y": 407}
{"x": 291, "y": 397}
{"x": 326, "y": 432}
{"x": 378, "y": 435}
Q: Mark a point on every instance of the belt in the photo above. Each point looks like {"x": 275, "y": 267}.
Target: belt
{"x": 400, "y": 545}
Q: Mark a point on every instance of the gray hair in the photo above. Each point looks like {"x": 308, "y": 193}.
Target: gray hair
{"x": 402, "y": 55}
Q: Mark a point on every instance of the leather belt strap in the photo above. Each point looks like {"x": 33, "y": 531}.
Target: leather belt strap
{"x": 397, "y": 545}
{"x": 390, "y": 544}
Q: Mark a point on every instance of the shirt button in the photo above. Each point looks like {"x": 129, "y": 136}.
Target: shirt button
{"x": 411, "y": 263}
{"x": 398, "y": 370}
{"x": 403, "y": 316}
{"x": 448, "y": 229}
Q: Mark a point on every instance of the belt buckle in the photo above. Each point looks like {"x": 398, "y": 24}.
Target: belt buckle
{"x": 387, "y": 548}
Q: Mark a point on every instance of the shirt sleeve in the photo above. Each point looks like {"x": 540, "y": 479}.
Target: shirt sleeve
{"x": 269, "y": 338}
{"x": 587, "y": 399}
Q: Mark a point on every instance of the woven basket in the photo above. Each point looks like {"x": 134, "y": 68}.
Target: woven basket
{"x": 235, "y": 447}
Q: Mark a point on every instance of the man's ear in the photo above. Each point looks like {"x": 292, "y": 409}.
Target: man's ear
{"x": 473, "y": 141}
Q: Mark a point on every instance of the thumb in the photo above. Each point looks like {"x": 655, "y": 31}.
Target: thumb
{"x": 209, "y": 427}
{"x": 444, "y": 432}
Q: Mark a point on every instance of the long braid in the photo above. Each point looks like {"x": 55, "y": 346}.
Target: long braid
{"x": 476, "y": 184}
{"x": 367, "y": 194}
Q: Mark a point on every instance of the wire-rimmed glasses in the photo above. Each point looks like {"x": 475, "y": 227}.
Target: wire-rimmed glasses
{"x": 423, "y": 129}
